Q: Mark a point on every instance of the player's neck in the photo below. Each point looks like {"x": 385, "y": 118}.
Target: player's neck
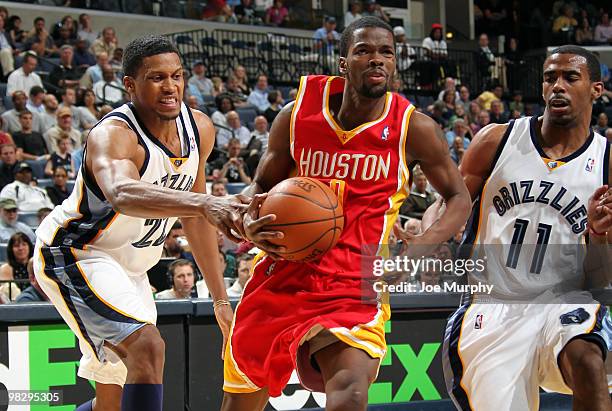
{"x": 356, "y": 109}
{"x": 561, "y": 140}
{"x": 163, "y": 130}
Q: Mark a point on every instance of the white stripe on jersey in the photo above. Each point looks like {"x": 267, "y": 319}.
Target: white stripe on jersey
{"x": 86, "y": 219}
{"x": 529, "y": 200}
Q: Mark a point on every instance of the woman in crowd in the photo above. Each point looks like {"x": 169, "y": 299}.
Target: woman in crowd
{"x": 449, "y": 102}
{"x": 88, "y": 107}
{"x": 242, "y": 81}
{"x": 18, "y": 252}
{"x": 16, "y": 34}
{"x": 58, "y": 192}
{"x": 224, "y": 105}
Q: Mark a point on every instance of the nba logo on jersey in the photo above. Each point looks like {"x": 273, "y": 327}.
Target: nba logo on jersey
{"x": 478, "y": 322}
{"x": 178, "y": 162}
{"x": 385, "y": 133}
{"x": 590, "y": 165}
{"x": 552, "y": 164}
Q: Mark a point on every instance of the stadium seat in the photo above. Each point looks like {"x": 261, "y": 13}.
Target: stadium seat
{"x": 38, "y": 168}
{"x": 3, "y": 252}
{"x": 3, "y": 89}
{"x": 7, "y": 102}
{"x": 235, "y": 188}
{"x": 424, "y": 101}
{"x": 30, "y": 218}
{"x": 285, "y": 91}
{"x": 44, "y": 182}
{"x": 246, "y": 114}
{"x": 70, "y": 185}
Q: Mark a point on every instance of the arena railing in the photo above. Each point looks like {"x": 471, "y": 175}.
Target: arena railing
{"x": 285, "y": 58}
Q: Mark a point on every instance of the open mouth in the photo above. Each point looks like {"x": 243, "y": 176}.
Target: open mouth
{"x": 558, "y": 103}
{"x": 169, "y": 102}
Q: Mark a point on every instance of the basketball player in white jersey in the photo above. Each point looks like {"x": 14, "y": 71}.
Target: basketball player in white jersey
{"x": 143, "y": 167}
{"x": 541, "y": 182}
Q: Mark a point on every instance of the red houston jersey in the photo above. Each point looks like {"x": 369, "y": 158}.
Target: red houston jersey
{"x": 366, "y": 167}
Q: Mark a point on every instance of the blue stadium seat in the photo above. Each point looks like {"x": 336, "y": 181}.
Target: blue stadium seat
{"x": 3, "y": 89}
{"x": 7, "y": 102}
{"x": 3, "y": 252}
{"x": 38, "y": 168}
{"x": 424, "y": 101}
{"x": 285, "y": 91}
{"x": 30, "y": 218}
{"x": 246, "y": 114}
{"x": 44, "y": 182}
{"x": 70, "y": 185}
{"x": 234, "y": 188}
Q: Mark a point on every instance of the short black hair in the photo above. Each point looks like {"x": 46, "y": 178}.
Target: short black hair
{"x": 37, "y": 19}
{"x": 364, "y": 22}
{"x": 592, "y": 60}
{"x": 143, "y": 47}
{"x": 36, "y": 90}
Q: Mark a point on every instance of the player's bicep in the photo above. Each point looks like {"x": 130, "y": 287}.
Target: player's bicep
{"x": 111, "y": 154}
{"x": 276, "y": 163}
{"x": 427, "y": 145}
{"x": 478, "y": 160}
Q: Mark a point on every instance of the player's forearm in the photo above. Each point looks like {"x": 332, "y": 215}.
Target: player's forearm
{"x": 145, "y": 200}
{"x": 202, "y": 237}
{"x": 597, "y": 262}
{"x": 450, "y": 221}
{"x": 254, "y": 188}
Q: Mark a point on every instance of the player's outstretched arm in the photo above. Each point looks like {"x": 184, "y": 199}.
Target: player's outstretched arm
{"x": 275, "y": 166}
{"x": 427, "y": 144}
{"x": 113, "y": 159}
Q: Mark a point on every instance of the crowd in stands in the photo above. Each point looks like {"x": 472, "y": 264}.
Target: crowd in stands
{"x": 49, "y": 109}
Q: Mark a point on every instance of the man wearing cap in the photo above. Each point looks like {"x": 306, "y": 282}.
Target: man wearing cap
{"x": 24, "y": 78}
{"x": 27, "y": 197}
{"x": 10, "y": 118}
{"x": 374, "y": 9}
{"x": 9, "y": 224}
{"x": 63, "y": 126}
{"x": 403, "y": 52}
{"x": 65, "y": 75}
{"x": 326, "y": 38}
{"x": 199, "y": 85}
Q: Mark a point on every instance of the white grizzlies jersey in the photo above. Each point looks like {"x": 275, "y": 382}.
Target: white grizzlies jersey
{"x": 87, "y": 221}
{"x": 531, "y": 217}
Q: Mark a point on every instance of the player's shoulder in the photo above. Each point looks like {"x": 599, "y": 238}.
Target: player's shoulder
{"x": 491, "y": 134}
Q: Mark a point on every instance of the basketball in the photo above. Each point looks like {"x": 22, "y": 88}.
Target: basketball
{"x": 308, "y": 213}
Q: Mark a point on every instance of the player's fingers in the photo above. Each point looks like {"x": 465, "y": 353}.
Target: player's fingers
{"x": 253, "y": 209}
{"x": 257, "y": 224}
{"x": 599, "y": 192}
{"x": 226, "y": 229}
{"x": 269, "y": 235}
{"x": 237, "y": 223}
{"x": 268, "y": 247}
{"x": 244, "y": 200}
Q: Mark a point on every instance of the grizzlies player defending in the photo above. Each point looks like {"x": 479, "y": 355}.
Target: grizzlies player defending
{"x": 143, "y": 167}
{"x": 540, "y": 181}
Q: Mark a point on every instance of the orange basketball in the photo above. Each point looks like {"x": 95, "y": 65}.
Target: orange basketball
{"x": 308, "y": 213}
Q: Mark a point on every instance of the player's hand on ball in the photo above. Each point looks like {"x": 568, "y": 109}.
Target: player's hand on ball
{"x": 226, "y": 214}
{"x": 224, "y": 316}
{"x": 254, "y": 228}
{"x": 600, "y": 210}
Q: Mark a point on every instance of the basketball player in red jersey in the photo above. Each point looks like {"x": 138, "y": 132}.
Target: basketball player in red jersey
{"x": 352, "y": 133}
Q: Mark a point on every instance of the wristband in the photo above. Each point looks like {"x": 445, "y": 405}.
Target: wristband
{"x": 219, "y": 303}
{"x": 595, "y": 233}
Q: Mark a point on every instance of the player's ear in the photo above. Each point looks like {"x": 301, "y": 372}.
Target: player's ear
{"x": 597, "y": 88}
{"x": 343, "y": 66}
{"x": 128, "y": 83}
